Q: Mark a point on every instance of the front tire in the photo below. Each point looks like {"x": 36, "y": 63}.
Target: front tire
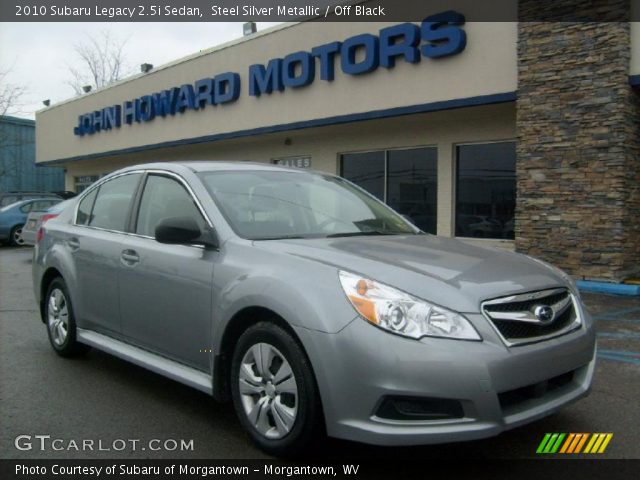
{"x": 61, "y": 325}
{"x": 274, "y": 391}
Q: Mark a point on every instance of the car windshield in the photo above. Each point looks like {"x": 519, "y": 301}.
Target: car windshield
{"x": 265, "y": 205}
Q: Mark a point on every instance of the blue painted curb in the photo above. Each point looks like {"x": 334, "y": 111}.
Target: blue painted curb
{"x": 604, "y": 287}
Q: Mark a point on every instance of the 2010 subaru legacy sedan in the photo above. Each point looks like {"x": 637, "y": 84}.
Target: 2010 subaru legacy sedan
{"x": 311, "y": 305}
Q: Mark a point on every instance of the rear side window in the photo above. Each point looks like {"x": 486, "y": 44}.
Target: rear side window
{"x": 163, "y": 198}
{"x": 26, "y": 208}
{"x": 111, "y": 207}
{"x": 85, "y": 207}
{"x": 41, "y": 205}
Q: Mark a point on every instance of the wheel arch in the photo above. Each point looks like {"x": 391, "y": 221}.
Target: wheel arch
{"x": 237, "y": 325}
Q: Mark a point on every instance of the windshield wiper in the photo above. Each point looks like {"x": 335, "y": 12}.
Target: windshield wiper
{"x": 280, "y": 237}
{"x": 367, "y": 233}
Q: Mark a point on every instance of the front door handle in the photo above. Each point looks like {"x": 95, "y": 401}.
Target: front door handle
{"x": 129, "y": 257}
{"x": 74, "y": 244}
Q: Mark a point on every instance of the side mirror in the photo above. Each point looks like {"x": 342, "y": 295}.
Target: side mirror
{"x": 183, "y": 231}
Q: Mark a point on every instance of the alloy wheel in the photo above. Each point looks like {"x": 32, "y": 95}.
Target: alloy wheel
{"x": 58, "y": 316}
{"x": 268, "y": 390}
{"x": 17, "y": 236}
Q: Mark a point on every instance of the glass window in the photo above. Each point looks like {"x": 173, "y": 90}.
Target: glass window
{"x": 410, "y": 177}
{"x": 486, "y": 190}
{"x": 412, "y": 185}
{"x": 85, "y": 207}
{"x": 41, "y": 205}
{"x": 365, "y": 170}
{"x": 163, "y": 198}
{"x": 26, "y": 208}
{"x": 111, "y": 208}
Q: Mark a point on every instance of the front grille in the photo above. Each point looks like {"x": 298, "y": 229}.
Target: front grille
{"x": 516, "y": 319}
{"x": 512, "y": 330}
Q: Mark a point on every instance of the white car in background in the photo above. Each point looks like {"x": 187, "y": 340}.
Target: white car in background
{"x": 36, "y": 219}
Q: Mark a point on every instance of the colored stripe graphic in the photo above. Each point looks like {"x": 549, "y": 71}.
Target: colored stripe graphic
{"x": 605, "y": 442}
{"x": 582, "y": 441}
{"x": 543, "y": 443}
{"x": 550, "y": 443}
{"x": 573, "y": 443}
{"x": 591, "y": 443}
{"x": 567, "y": 443}
{"x": 556, "y": 446}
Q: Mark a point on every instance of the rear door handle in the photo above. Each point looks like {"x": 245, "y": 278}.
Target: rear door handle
{"x": 74, "y": 244}
{"x": 129, "y": 257}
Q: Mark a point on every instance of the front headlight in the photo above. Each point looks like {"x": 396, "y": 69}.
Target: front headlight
{"x": 402, "y": 313}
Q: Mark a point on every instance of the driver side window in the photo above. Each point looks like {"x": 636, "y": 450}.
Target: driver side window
{"x": 163, "y": 198}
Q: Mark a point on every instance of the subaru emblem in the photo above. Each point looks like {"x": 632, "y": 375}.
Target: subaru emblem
{"x": 544, "y": 313}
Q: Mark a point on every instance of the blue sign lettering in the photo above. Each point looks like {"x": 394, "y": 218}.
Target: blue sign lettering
{"x": 164, "y": 103}
{"x": 226, "y": 87}
{"x": 399, "y": 41}
{"x": 437, "y": 36}
{"x": 366, "y": 43}
{"x": 326, "y": 53}
{"x": 442, "y": 35}
{"x": 290, "y": 63}
{"x": 265, "y": 80}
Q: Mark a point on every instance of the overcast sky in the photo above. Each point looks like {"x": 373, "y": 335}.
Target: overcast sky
{"x": 38, "y": 53}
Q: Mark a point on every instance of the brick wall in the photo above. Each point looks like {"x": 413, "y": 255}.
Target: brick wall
{"x": 578, "y": 123}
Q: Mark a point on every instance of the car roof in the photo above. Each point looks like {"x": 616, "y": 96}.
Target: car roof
{"x": 214, "y": 165}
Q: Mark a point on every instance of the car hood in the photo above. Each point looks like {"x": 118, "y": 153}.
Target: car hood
{"x": 446, "y": 271}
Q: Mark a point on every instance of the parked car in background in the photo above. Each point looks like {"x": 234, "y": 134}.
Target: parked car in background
{"x": 478, "y": 226}
{"x": 14, "y": 216}
{"x": 66, "y": 194}
{"x": 7, "y": 198}
{"x": 36, "y": 219}
{"x": 307, "y": 301}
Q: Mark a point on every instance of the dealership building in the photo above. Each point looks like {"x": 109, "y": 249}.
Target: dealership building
{"x": 516, "y": 135}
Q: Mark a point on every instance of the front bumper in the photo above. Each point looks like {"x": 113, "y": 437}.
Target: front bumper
{"x": 359, "y": 366}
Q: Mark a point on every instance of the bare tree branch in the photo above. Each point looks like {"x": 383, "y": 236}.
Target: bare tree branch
{"x": 102, "y": 61}
{"x": 10, "y": 94}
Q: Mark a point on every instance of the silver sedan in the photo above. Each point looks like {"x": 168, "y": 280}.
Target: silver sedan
{"x": 311, "y": 305}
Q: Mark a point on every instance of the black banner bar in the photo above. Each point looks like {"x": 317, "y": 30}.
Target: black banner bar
{"x": 317, "y": 10}
{"x": 582, "y": 469}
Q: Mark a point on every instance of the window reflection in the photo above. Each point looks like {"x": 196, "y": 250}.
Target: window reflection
{"x": 410, "y": 176}
{"x": 486, "y": 190}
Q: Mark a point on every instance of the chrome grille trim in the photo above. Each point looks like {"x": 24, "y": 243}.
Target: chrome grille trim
{"x": 490, "y": 309}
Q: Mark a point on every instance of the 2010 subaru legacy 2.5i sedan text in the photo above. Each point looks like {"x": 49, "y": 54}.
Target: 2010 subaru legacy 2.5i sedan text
{"x": 310, "y": 304}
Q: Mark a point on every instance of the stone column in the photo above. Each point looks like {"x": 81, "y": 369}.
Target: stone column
{"x": 578, "y": 165}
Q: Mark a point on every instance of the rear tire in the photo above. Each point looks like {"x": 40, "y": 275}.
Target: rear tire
{"x": 274, "y": 390}
{"x": 15, "y": 238}
{"x": 60, "y": 321}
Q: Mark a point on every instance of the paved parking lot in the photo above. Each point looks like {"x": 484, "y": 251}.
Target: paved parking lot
{"x": 102, "y": 398}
